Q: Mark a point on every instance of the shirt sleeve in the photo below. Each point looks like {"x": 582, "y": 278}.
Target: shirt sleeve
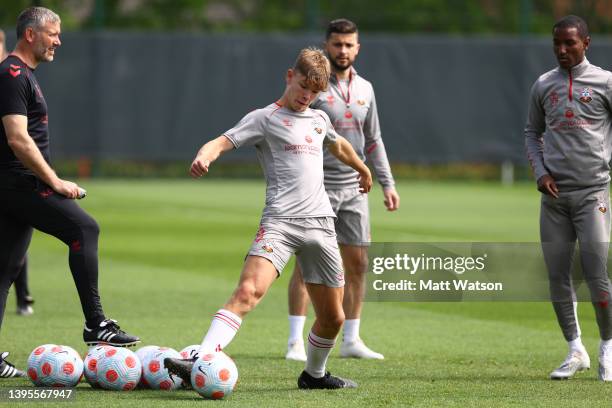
{"x": 375, "y": 148}
{"x": 13, "y": 94}
{"x": 609, "y": 93}
{"x": 534, "y": 131}
{"x": 249, "y": 131}
{"x": 331, "y": 136}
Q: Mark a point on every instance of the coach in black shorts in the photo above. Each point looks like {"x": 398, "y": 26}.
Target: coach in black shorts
{"x": 31, "y": 194}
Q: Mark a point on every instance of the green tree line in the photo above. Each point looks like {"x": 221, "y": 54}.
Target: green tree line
{"x": 461, "y": 17}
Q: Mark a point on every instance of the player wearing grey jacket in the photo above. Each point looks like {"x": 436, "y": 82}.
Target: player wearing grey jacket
{"x": 351, "y": 105}
{"x": 567, "y": 136}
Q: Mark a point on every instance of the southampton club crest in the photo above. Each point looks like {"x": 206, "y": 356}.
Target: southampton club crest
{"x": 267, "y": 246}
{"x": 585, "y": 95}
{"x": 317, "y": 126}
{"x": 602, "y": 207}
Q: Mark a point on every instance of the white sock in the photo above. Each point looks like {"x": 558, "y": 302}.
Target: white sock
{"x": 351, "y": 330}
{"x": 222, "y": 330}
{"x": 318, "y": 351}
{"x": 606, "y": 344}
{"x": 296, "y": 328}
{"x": 576, "y": 344}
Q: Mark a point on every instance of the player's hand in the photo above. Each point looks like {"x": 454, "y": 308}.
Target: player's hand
{"x": 365, "y": 181}
{"x": 547, "y": 185}
{"x": 392, "y": 199}
{"x": 199, "y": 167}
{"x": 67, "y": 188}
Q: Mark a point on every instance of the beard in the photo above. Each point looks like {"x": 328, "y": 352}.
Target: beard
{"x": 41, "y": 53}
{"x": 340, "y": 67}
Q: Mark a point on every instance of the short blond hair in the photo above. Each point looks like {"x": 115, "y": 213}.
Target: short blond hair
{"x": 314, "y": 65}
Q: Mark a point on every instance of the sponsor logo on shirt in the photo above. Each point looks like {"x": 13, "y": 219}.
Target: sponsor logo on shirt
{"x": 287, "y": 122}
{"x": 571, "y": 124}
{"x": 585, "y": 95}
{"x": 330, "y": 100}
{"x": 340, "y": 124}
{"x": 360, "y": 102}
{"x": 302, "y": 149}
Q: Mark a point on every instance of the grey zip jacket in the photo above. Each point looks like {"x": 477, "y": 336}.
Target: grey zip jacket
{"x": 568, "y": 126}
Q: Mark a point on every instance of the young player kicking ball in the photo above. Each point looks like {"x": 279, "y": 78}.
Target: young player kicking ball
{"x": 297, "y": 219}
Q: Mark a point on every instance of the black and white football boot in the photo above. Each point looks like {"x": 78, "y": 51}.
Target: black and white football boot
{"x": 181, "y": 367}
{"x": 7, "y": 370}
{"x": 108, "y": 332}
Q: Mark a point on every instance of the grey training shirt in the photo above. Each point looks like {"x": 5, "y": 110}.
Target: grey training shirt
{"x": 351, "y": 106}
{"x": 290, "y": 150}
{"x": 568, "y": 126}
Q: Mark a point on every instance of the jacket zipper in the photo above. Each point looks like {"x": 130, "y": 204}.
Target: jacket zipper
{"x": 570, "y": 85}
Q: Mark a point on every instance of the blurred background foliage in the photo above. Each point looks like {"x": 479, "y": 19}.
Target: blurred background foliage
{"x": 459, "y": 17}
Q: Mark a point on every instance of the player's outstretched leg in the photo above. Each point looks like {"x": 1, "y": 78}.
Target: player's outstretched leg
{"x": 256, "y": 277}
{"x": 223, "y": 328}
{"x": 8, "y": 370}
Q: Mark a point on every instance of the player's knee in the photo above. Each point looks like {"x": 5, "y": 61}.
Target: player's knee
{"x": 247, "y": 296}
{"x": 89, "y": 228}
{"x": 357, "y": 266}
{"x": 332, "y": 321}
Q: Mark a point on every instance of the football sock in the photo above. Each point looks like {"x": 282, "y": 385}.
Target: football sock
{"x": 296, "y": 328}
{"x": 576, "y": 344}
{"x": 351, "y": 330}
{"x": 222, "y": 330}
{"x": 606, "y": 344}
{"x": 318, "y": 351}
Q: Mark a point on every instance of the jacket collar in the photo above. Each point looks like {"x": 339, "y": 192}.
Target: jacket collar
{"x": 578, "y": 69}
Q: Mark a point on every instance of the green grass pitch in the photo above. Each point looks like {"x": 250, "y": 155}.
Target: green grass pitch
{"x": 171, "y": 252}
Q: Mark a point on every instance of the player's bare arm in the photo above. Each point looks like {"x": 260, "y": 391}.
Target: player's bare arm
{"x": 547, "y": 185}
{"x": 344, "y": 152}
{"x": 208, "y": 154}
{"x": 16, "y": 127}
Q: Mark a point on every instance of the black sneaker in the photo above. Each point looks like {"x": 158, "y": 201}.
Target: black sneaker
{"x": 7, "y": 370}
{"x": 181, "y": 367}
{"x": 108, "y": 332}
{"x": 327, "y": 382}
